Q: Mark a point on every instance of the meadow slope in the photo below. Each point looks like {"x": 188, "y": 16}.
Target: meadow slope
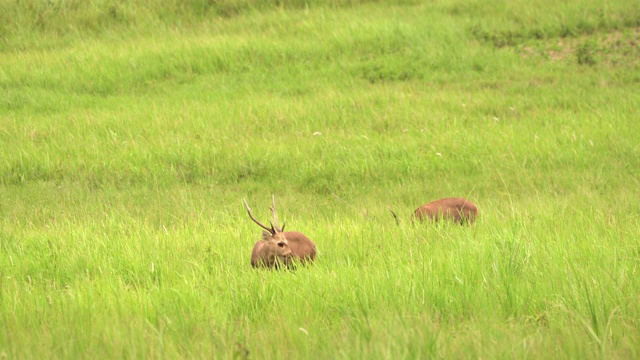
{"x": 131, "y": 133}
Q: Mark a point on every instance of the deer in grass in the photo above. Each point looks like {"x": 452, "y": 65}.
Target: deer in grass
{"x": 458, "y": 210}
{"x": 278, "y": 247}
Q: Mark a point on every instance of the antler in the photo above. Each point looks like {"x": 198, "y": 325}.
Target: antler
{"x": 275, "y": 216}
{"x": 271, "y": 230}
{"x": 394, "y": 216}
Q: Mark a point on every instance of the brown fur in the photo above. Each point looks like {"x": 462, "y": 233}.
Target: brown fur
{"x": 458, "y": 210}
{"x": 301, "y": 246}
{"x": 280, "y": 248}
{"x": 271, "y": 251}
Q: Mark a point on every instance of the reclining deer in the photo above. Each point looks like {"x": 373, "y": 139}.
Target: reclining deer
{"x": 457, "y": 210}
{"x": 278, "y": 247}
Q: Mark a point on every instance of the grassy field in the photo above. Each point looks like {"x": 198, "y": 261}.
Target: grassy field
{"x": 131, "y": 131}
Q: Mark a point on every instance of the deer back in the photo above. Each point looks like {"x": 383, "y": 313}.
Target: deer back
{"x": 458, "y": 210}
{"x": 301, "y": 246}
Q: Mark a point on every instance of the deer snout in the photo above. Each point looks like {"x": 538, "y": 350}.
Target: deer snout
{"x": 284, "y": 249}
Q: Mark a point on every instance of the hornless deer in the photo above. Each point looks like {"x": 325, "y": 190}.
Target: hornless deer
{"x": 280, "y": 247}
{"x": 458, "y": 210}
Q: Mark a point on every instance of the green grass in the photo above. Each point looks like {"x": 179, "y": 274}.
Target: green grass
{"x": 130, "y": 135}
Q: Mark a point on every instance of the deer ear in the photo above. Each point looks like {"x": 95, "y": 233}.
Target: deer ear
{"x": 266, "y": 236}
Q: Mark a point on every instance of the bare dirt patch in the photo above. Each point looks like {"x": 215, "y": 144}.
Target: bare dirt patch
{"x": 614, "y": 48}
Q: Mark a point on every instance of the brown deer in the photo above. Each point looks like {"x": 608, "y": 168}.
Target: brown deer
{"x": 280, "y": 247}
{"x": 458, "y": 210}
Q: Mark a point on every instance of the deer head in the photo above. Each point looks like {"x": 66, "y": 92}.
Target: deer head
{"x": 273, "y": 248}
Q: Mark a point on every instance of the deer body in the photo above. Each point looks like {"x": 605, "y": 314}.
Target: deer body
{"x": 301, "y": 246}
{"x": 458, "y": 210}
{"x": 278, "y": 247}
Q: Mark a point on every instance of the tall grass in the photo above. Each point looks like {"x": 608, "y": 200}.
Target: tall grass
{"x": 129, "y": 140}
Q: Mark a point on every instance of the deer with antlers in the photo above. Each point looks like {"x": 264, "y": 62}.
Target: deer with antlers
{"x": 278, "y": 247}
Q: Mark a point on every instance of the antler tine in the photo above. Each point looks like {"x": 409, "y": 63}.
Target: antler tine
{"x": 271, "y": 230}
{"x": 273, "y": 211}
{"x": 394, "y": 216}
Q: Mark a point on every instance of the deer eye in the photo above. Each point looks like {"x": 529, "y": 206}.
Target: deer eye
{"x": 281, "y": 244}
